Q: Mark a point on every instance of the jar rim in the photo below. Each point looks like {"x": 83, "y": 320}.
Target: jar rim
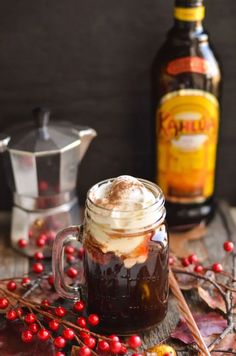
{"x": 154, "y": 188}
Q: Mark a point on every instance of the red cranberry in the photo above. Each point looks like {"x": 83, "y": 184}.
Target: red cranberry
{"x": 38, "y": 256}
{"x": 22, "y": 243}
{"x": 69, "y": 250}
{"x": 30, "y": 318}
{"x": 72, "y": 272}
{"x": 40, "y": 242}
{"x": 4, "y": 303}
{"x": 198, "y": 268}
{"x": 115, "y": 347}
{"x": 45, "y": 303}
{"x": 25, "y": 282}
{"x": 134, "y": 341}
{"x": 43, "y": 185}
{"x": 11, "y": 315}
{"x": 193, "y": 258}
{"x": 68, "y": 334}
{"x": 26, "y": 336}
{"x": 228, "y": 246}
{"x": 51, "y": 281}
{"x": 59, "y": 342}
{"x": 43, "y": 335}
{"x": 90, "y": 342}
{"x": 85, "y": 333}
{"x": 38, "y": 267}
{"x": 84, "y": 351}
{"x": 11, "y": 286}
{"x": 81, "y": 322}
{"x": 114, "y": 338}
{"x": 70, "y": 259}
{"x": 217, "y": 267}
{"x": 59, "y": 353}
{"x": 34, "y": 328}
{"x": 54, "y": 325}
{"x": 140, "y": 355}
{"x": 60, "y": 311}
{"x": 81, "y": 253}
{"x": 51, "y": 235}
{"x": 103, "y": 346}
{"x": 93, "y": 319}
{"x": 79, "y": 306}
{"x": 185, "y": 262}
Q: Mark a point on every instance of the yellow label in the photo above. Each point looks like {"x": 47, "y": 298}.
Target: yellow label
{"x": 189, "y": 14}
{"x": 187, "y": 135}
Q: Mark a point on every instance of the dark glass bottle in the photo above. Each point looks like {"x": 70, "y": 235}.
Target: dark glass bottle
{"x": 186, "y": 82}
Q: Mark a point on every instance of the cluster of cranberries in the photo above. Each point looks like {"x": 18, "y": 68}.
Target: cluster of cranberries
{"x": 90, "y": 341}
{"x": 193, "y": 260}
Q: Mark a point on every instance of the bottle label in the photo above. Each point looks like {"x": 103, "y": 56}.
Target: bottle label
{"x": 188, "y": 64}
{"x": 188, "y": 123}
{"x": 189, "y": 14}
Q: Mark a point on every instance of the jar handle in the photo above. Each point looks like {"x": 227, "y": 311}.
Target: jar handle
{"x": 69, "y": 234}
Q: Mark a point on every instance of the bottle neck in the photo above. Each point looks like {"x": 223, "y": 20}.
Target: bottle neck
{"x": 189, "y": 15}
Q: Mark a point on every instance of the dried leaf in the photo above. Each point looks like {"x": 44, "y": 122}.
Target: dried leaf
{"x": 208, "y": 324}
{"x": 213, "y": 298}
{"x": 179, "y": 241}
{"x": 228, "y": 343}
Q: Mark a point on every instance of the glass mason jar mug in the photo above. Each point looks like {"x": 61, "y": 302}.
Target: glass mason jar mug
{"x": 125, "y": 262}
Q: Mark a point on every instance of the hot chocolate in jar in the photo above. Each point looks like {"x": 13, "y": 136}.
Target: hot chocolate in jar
{"x": 126, "y": 254}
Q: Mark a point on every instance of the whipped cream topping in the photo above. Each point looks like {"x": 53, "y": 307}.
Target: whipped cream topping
{"x": 124, "y": 204}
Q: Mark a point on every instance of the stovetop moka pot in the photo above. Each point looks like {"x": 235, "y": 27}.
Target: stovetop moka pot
{"x": 41, "y": 162}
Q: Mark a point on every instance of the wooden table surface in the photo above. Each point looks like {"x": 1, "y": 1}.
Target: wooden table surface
{"x": 219, "y": 230}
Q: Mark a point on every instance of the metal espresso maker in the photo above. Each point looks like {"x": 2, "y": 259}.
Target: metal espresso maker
{"x": 41, "y": 163}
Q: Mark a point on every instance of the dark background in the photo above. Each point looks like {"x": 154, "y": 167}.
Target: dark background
{"x": 89, "y": 62}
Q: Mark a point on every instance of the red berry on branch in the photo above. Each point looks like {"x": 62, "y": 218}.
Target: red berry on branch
{"x": 81, "y": 322}
{"x": 198, "y": 268}
{"x": 79, "y": 306}
{"x": 114, "y": 338}
{"x": 26, "y": 336}
{"x": 134, "y": 341}
{"x": 72, "y": 272}
{"x": 115, "y": 347}
{"x": 51, "y": 281}
{"x": 34, "y": 328}
{"x": 60, "y": 311}
{"x": 81, "y": 253}
{"x": 137, "y": 355}
{"x": 85, "y": 333}
{"x": 59, "y": 353}
{"x": 185, "y": 262}
{"x": 59, "y": 342}
{"x": 70, "y": 259}
{"x": 38, "y": 267}
{"x": 45, "y": 303}
{"x": 25, "y": 282}
{"x": 123, "y": 350}
{"x": 38, "y": 256}
{"x": 228, "y": 246}
{"x": 30, "y": 318}
{"x": 217, "y": 267}
{"x": 43, "y": 335}
{"x": 193, "y": 258}
{"x": 40, "y": 242}
{"x": 4, "y": 303}
{"x": 22, "y": 243}
{"x": 93, "y": 319}
{"x": 11, "y": 315}
{"x": 11, "y": 286}
{"x": 103, "y": 346}
{"x": 68, "y": 334}
{"x": 84, "y": 351}
{"x": 19, "y": 312}
{"x": 168, "y": 354}
{"x": 69, "y": 250}
{"x": 90, "y": 342}
{"x": 51, "y": 235}
{"x": 54, "y": 325}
